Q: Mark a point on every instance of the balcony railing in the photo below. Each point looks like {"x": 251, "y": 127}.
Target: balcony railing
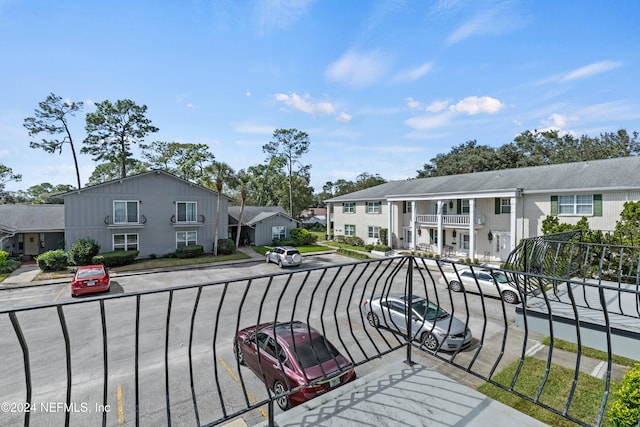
{"x": 199, "y": 220}
{"x": 171, "y": 350}
{"x": 109, "y": 221}
{"x": 450, "y": 220}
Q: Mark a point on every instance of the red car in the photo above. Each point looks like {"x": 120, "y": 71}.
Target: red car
{"x": 89, "y": 279}
{"x": 292, "y": 355}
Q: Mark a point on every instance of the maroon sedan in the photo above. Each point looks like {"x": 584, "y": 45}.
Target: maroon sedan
{"x": 89, "y": 279}
{"x": 291, "y": 355}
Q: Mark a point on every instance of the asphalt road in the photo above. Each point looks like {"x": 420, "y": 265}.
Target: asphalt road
{"x": 201, "y": 324}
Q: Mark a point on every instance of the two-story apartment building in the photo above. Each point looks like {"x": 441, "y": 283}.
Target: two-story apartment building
{"x": 483, "y": 215}
{"x": 153, "y": 212}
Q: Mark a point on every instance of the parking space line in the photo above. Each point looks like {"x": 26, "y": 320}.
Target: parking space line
{"x": 60, "y": 293}
{"x": 120, "y": 406}
{"x": 237, "y": 380}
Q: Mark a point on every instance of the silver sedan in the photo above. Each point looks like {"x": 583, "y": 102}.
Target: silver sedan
{"x": 434, "y": 327}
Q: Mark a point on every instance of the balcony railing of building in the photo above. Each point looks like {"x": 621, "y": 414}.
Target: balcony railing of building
{"x": 109, "y": 221}
{"x": 167, "y": 355}
{"x": 450, "y": 220}
{"x": 198, "y": 220}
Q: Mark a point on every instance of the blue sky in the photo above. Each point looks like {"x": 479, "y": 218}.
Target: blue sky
{"x": 380, "y": 86}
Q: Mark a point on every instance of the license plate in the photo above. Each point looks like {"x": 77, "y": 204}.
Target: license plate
{"x": 91, "y": 282}
{"x": 334, "y": 382}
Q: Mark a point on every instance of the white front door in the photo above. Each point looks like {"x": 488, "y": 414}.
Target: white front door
{"x": 408, "y": 233}
{"x": 464, "y": 243}
{"x": 31, "y": 244}
{"x": 501, "y": 246}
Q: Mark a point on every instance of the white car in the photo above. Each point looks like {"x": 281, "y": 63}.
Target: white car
{"x": 489, "y": 282}
{"x": 284, "y": 256}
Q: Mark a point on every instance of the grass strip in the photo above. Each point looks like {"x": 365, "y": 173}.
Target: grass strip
{"x": 588, "y": 351}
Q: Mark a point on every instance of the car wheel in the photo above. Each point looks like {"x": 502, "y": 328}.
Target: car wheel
{"x": 373, "y": 319}
{"x": 280, "y": 263}
{"x": 455, "y": 286}
{"x": 429, "y": 341}
{"x": 283, "y": 401}
{"x": 238, "y": 351}
{"x": 266, "y": 259}
{"x": 510, "y": 297}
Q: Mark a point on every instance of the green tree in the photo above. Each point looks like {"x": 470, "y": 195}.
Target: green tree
{"x": 6, "y": 175}
{"x": 221, "y": 173}
{"x": 286, "y": 148}
{"x": 465, "y": 158}
{"x": 261, "y": 182}
{"x": 53, "y": 118}
{"x": 185, "y": 160}
{"x": 44, "y": 193}
{"x": 113, "y": 128}
{"x": 109, "y": 171}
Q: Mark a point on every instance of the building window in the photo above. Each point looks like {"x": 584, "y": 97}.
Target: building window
{"x": 186, "y": 238}
{"x": 374, "y": 232}
{"x": 125, "y": 242}
{"x": 349, "y": 230}
{"x": 349, "y": 207}
{"x": 505, "y": 206}
{"x": 125, "y": 212}
{"x": 374, "y": 207}
{"x": 406, "y": 207}
{"x": 464, "y": 206}
{"x": 186, "y": 211}
{"x": 575, "y": 205}
{"x": 278, "y": 232}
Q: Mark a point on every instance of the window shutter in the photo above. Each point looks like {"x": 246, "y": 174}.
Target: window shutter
{"x": 554, "y": 205}
{"x": 597, "y": 205}
{"x": 497, "y": 205}
{"x": 459, "y": 207}
{"x": 404, "y": 206}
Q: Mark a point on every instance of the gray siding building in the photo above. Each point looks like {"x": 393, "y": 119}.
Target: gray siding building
{"x": 154, "y": 212}
{"x": 261, "y": 224}
{"x": 29, "y": 230}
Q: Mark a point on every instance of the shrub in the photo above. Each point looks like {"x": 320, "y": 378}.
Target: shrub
{"x": 368, "y": 248}
{"x": 53, "y": 260}
{"x": 8, "y": 266}
{"x": 191, "y": 251}
{"x": 115, "y": 258}
{"x": 226, "y": 246}
{"x": 3, "y": 257}
{"x": 626, "y": 409}
{"x": 284, "y": 242}
{"x": 350, "y": 240}
{"x": 303, "y": 237}
{"x": 83, "y": 250}
{"x": 353, "y": 254}
{"x": 382, "y": 248}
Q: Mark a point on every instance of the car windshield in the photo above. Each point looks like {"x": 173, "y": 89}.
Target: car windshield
{"x": 90, "y": 273}
{"x": 428, "y": 310}
{"x": 314, "y": 352}
{"x": 500, "y": 277}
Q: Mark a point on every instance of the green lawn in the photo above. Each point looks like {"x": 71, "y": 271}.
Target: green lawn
{"x": 303, "y": 249}
{"x": 588, "y": 351}
{"x": 338, "y": 245}
{"x": 585, "y": 403}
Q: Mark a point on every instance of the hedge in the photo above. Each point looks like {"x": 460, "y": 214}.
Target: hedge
{"x": 353, "y": 254}
{"x": 83, "y": 250}
{"x": 115, "y": 258}
{"x": 190, "y": 251}
{"x": 53, "y": 260}
{"x": 226, "y": 246}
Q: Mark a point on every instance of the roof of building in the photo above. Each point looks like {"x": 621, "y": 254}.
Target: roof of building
{"x": 609, "y": 174}
{"x": 130, "y": 177}
{"x": 254, "y": 214}
{"x": 31, "y": 218}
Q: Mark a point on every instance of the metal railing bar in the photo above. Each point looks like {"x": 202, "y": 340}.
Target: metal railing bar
{"x": 351, "y": 294}
{"x": 607, "y": 385}
{"x": 191, "y": 382}
{"x": 103, "y": 321}
{"x": 67, "y": 352}
{"x": 576, "y": 372}
{"x": 551, "y": 348}
{"x": 242, "y": 300}
{"x": 136, "y": 362}
{"x": 214, "y": 350}
{"x": 166, "y": 356}
{"x": 25, "y": 360}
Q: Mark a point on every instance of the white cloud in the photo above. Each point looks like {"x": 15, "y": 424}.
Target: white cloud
{"x": 304, "y": 104}
{"x": 437, "y": 106}
{"x": 591, "y": 69}
{"x": 279, "y": 14}
{"x": 412, "y": 103}
{"x": 474, "y": 105}
{"x": 4, "y": 154}
{"x": 556, "y": 121}
{"x": 343, "y": 117}
{"x": 248, "y": 93}
{"x": 429, "y": 122}
{"x": 413, "y": 74}
{"x": 359, "y": 70}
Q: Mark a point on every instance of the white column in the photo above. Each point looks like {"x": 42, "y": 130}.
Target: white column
{"x": 439, "y": 231}
{"x": 390, "y": 224}
{"x": 472, "y": 229}
{"x": 414, "y": 228}
{"x": 512, "y": 233}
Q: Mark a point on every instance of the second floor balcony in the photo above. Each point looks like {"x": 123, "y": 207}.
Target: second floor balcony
{"x": 112, "y": 222}
{"x": 452, "y": 221}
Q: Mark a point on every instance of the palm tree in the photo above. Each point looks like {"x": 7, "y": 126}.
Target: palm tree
{"x": 243, "y": 197}
{"x": 222, "y": 173}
